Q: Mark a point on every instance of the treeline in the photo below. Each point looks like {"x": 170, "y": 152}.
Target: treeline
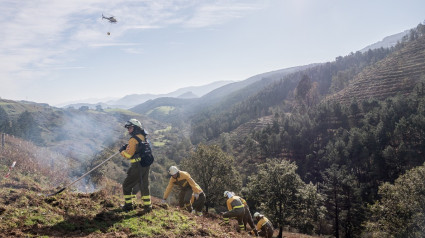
{"x": 24, "y": 126}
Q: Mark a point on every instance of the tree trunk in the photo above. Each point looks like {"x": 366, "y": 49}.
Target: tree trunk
{"x": 336, "y": 215}
{"x": 280, "y": 232}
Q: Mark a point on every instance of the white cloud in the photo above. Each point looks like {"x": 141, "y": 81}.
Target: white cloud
{"x": 220, "y": 12}
{"x": 39, "y": 36}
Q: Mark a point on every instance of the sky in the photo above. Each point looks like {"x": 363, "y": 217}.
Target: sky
{"x": 58, "y": 51}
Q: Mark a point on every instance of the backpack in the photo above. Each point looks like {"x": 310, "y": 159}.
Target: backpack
{"x": 144, "y": 151}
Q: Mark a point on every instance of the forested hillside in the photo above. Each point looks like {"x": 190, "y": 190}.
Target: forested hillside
{"x": 397, "y": 74}
{"x": 351, "y": 147}
{"x": 325, "y": 78}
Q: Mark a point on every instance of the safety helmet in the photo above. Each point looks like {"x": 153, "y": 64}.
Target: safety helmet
{"x": 173, "y": 170}
{"x": 256, "y": 214}
{"x": 227, "y": 193}
{"x": 133, "y": 122}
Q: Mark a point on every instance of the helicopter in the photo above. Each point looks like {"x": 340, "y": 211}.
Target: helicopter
{"x": 111, "y": 19}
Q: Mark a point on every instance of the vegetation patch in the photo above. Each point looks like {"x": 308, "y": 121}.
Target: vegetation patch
{"x": 168, "y": 128}
{"x": 165, "y": 110}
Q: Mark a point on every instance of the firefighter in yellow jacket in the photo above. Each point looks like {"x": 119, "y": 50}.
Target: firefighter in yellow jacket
{"x": 137, "y": 176}
{"x": 264, "y": 226}
{"x": 247, "y": 217}
{"x": 191, "y": 196}
{"x": 235, "y": 209}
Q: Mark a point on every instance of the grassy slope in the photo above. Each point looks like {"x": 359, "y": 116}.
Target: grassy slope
{"x": 26, "y": 210}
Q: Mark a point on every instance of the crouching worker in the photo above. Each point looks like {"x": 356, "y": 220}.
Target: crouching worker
{"x": 247, "y": 217}
{"x": 137, "y": 175}
{"x": 235, "y": 209}
{"x": 191, "y": 196}
{"x": 264, "y": 226}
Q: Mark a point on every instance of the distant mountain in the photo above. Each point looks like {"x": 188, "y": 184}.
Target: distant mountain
{"x": 136, "y": 99}
{"x": 387, "y": 42}
{"x": 87, "y": 101}
{"x": 222, "y": 98}
{"x": 132, "y": 100}
{"x": 188, "y": 95}
{"x": 240, "y": 89}
{"x": 199, "y": 91}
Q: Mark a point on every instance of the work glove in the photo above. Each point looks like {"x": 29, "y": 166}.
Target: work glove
{"x": 196, "y": 195}
{"x": 254, "y": 232}
{"x": 124, "y": 147}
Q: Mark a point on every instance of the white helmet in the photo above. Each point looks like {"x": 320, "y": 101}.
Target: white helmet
{"x": 256, "y": 214}
{"x": 228, "y": 194}
{"x": 173, "y": 170}
{"x": 133, "y": 122}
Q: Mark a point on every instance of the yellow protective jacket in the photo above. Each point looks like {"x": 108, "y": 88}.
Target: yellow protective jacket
{"x": 263, "y": 221}
{"x": 183, "y": 180}
{"x": 243, "y": 201}
{"x": 234, "y": 203}
{"x": 129, "y": 152}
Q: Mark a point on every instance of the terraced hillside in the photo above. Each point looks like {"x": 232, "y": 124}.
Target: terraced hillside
{"x": 396, "y": 74}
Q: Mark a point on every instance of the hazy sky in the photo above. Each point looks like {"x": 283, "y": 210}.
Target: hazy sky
{"x": 55, "y": 51}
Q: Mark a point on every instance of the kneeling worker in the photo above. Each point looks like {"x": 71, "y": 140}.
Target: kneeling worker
{"x": 264, "y": 226}
{"x": 236, "y": 210}
{"x": 191, "y": 196}
{"x": 247, "y": 217}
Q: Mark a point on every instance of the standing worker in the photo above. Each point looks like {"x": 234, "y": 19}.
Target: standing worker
{"x": 264, "y": 226}
{"x": 137, "y": 175}
{"x": 191, "y": 196}
{"x": 235, "y": 209}
{"x": 247, "y": 217}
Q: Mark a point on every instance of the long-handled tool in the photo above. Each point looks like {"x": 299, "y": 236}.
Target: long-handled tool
{"x": 62, "y": 189}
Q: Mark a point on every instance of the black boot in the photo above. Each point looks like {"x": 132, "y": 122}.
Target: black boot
{"x": 147, "y": 209}
{"x": 127, "y": 207}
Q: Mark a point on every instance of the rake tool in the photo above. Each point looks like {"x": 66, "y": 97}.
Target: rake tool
{"x": 62, "y": 189}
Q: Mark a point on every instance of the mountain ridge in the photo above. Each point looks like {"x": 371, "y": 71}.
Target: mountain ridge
{"x": 132, "y": 100}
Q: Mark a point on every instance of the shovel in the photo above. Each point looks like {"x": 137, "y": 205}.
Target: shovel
{"x": 62, "y": 189}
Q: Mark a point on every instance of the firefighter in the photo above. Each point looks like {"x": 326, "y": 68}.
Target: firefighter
{"x": 191, "y": 196}
{"x": 137, "y": 176}
{"x": 247, "y": 217}
{"x": 235, "y": 209}
{"x": 264, "y": 226}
